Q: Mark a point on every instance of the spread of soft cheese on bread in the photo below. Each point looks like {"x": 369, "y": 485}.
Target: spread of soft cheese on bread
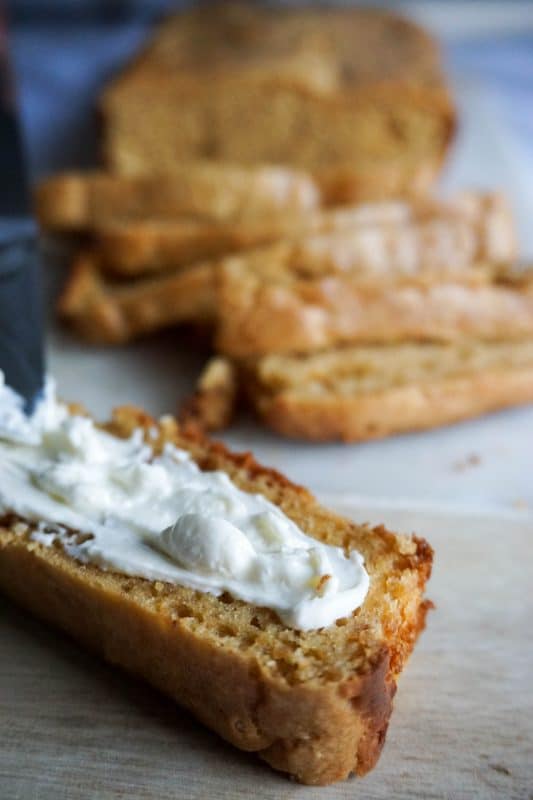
{"x": 158, "y": 516}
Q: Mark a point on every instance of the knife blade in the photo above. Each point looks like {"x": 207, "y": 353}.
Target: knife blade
{"x": 21, "y": 313}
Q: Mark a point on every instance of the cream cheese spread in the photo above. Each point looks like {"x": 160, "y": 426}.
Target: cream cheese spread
{"x": 158, "y": 516}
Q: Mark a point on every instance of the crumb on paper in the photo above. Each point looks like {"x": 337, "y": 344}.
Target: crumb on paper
{"x": 520, "y": 504}
{"x": 501, "y": 768}
{"x": 472, "y": 460}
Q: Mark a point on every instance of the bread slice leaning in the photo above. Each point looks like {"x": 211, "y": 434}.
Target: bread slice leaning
{"x": 417, "y": 239}
{"x": 103, "y": 311}
{"x": 360, "y": 393}
{"x": 257, "y": 317}
{"x": 81, "y": 201}
{"x": 313, "y": 704}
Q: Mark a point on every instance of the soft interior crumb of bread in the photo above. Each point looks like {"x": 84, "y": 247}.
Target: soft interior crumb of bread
{"x": 391, "y": 615}
{"x": 355, "y": 370}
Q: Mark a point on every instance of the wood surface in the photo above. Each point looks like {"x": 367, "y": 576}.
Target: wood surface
{"x": 74, "y": 728}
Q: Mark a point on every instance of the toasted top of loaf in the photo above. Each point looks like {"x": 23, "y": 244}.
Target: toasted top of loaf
{"x": 323, "y": 49}
{"x": 388, "y": 620}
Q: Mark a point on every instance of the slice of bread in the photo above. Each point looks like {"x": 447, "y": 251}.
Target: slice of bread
{"x": 359, "y": 393}
{"x": 136, "y": 248}
{"x": 213, "y": 404}
{"x": 314, "y": 704}
{"x": 147, "y": 224}
{"x": 365, "y": 276}
{"x": 80, "y": 201}
{"x": 255, "y": 317}
{"x": 380, "y": 241}
{"x": 378, "y": 274}
{"x": 107, "y": 312}
{"x": 338, "y": 93}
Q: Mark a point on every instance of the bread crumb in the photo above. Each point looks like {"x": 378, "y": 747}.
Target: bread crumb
{"x": 520, "y": 504}
{"x": 472, "y": 460}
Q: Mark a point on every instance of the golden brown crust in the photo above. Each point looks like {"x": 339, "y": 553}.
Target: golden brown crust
{"x": 256, "y": 318}
{"x": 396, "y": 410}
{"x": 234, "y": 665}
{"x": 107, "y": 313}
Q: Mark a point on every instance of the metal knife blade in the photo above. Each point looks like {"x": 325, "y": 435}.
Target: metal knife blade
{"x": 21, "y": 317}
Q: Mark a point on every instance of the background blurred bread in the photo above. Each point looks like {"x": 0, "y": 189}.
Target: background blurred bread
{"x": 340, "y": 93}
{"x": 466, "y": 239}
{"x": 359, "y": 393}
{"x": 257, "y": 317}
{"x": 103, "y": 311}
{"x": 80, "y": 201}
{"x": 269, "y": 176}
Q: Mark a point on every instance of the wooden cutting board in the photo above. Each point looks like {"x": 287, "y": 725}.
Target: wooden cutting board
{"x": 73, "y": 728}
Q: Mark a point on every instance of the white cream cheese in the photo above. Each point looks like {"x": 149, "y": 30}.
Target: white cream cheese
{"x": 160, "y": 517}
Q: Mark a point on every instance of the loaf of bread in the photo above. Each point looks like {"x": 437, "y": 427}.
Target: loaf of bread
{"x": 255, "y": 317}
{"x": 314, "y": 704}
{"x": 348, "y": 95}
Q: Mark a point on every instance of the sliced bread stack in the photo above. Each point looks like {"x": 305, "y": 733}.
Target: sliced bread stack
{"x": 345, "y": 322}
{"x": 267, "y": 179}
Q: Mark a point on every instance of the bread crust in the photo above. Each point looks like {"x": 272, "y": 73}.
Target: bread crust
{"x": 412, "y": 407}
{"x": 317, "y": 730}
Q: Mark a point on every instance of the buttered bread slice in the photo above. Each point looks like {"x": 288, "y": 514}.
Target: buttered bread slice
{"x": 89, "y": 541}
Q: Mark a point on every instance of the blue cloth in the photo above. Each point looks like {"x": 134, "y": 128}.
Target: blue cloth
{"x": 62, "y": 61}
{"x": 504, "y": 66}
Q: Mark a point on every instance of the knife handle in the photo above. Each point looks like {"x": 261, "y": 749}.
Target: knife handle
{"x": 21, "y": 318}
